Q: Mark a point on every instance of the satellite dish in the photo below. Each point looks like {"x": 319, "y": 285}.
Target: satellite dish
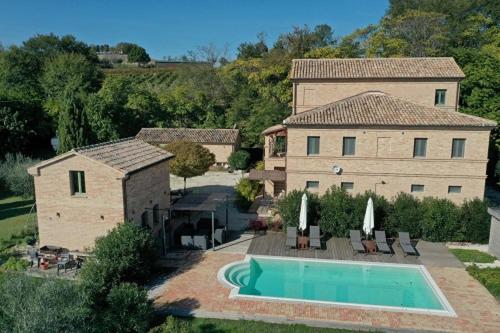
{"x": 337, "y": 169}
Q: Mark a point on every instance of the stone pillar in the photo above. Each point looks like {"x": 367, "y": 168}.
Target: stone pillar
{"x": 494, "y": 244}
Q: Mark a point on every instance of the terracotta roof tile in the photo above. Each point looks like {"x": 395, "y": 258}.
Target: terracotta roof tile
{"x": 198, "y": 135}
{"x": 379, "y": 109}
{"x": 372, "y": 68}
{"x": 127, "y": 155}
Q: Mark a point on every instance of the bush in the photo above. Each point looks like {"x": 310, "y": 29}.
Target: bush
{"x": 15, "y": 264}
{"x": 337, "y": 212}
{"x": 238, "y": 160}
{"x": 289, "y": 208}
{"x": 246, "y": 192}
{"x": 128, "y": 309}
{"x": 15, "y": 177}
{"x": 440, "y": 221}
{"x": 406, "y": 216}
{"x": 475, "y": 220}
{"x": 171, "y": 325}
{"x": 125, "y": 254}
{"x": 260, "y": 165}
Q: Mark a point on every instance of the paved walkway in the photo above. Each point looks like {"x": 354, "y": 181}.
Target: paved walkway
{"x": 195, "y": 290}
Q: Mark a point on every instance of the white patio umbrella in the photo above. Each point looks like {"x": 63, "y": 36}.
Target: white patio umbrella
{"x": 369, "y": 221}
{"x": 303, "y": 214}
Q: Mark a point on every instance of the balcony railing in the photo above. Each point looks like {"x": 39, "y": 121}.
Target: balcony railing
{"x": 277, "y": 147}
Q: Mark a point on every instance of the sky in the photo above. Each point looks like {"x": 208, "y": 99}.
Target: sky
{"x": 172, "y": 28}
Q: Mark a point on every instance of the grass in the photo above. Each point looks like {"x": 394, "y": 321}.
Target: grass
{"x": 13, "y": 214}
{"x": 472, "y": 256}
{"x": 489, "y": 277}
{"x": 203, "y": 325}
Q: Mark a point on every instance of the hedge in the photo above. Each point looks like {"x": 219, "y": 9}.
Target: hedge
{"x": 430, "y": 219}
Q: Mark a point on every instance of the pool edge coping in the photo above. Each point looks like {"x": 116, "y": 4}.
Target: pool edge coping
{"x": 448, "y": 310}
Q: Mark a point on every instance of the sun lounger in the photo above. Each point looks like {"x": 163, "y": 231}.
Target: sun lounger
{"x": 381, "y": 242}
{"x": 405, "y": 243}
{"x": 357, "y": 245}
{"x": 291, "y": 237}
{"x": 314, "y": 237}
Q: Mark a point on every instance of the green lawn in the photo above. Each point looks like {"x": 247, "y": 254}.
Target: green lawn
{"x": 489, "y": 277}
{"x": 472, "y": 256}
{"x": 201, "y": 325}
{"x": 13, "y": 214}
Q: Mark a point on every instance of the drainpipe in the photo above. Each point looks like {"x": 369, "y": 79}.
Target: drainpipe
{"x": 124, "y": 194}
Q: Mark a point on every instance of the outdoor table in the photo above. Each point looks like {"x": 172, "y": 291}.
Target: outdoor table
{"x": 303, "y": 242}
{"x": 371, "y": 246}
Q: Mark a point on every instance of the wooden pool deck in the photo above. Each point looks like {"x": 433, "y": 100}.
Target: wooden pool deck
{"x": 431, "y": 254}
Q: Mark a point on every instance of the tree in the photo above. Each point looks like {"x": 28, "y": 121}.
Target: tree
{"x": 190, "y": 160}
{"x": 73, "y": 129}
{"x": 238, "y": 160}
{"x": 134, "y": 52}
{"x": 46, "y": 47}
{"x": 253, "y": 50}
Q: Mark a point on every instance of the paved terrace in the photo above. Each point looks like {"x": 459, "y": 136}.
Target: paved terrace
{"x": 193, "y": 290}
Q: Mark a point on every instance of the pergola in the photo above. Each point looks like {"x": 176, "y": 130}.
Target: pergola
{"x": 202, "y": 202}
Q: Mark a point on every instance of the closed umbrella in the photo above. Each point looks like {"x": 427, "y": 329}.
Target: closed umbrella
{"x": 303, "y": 214}
{"x": 369, "y": 221}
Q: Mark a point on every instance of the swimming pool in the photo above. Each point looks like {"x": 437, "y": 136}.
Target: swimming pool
{"x": 370, "y": 285}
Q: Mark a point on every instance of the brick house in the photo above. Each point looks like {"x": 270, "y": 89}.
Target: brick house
{"x": 82, "y": 194}
{"x": 388, "y": 125}
{"x": 220, "y": 141}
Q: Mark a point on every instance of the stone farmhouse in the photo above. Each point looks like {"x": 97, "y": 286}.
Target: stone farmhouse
{"x": 221, "y": 142}
{"x": 388, "y": 125}
{"x": 82, "y": 194}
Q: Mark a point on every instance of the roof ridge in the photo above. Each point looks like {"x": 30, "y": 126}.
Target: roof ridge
{"x": 102, "y": 144}
{"x": 369, "y": 58}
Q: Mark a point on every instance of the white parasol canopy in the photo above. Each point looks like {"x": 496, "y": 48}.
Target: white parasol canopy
{"x": 369, "y": 221}
{"x": 303, "y": 213}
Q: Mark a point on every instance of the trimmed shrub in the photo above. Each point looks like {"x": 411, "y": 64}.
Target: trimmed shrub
{"x": 337, "y": 212}
{"x": 15, "y": 177}
{"x": 406, "y": 215}
{"x": 238, "y": 160}
{"x": 246, "y": 192}
{"x": 289, "y": 208}
{"x": 440, "y": 221}
{"x": 475, "y": 220}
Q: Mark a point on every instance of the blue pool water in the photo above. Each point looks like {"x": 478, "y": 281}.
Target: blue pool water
{"x": 367, "y": 284}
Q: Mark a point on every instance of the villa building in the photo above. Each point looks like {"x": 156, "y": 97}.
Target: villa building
{"x": 220, "y": 141}
{"x": 388, "y": 125}
{"x": 82, "y": 194}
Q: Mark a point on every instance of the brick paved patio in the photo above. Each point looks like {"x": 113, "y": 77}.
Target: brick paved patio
{"x": 195, "y": 290}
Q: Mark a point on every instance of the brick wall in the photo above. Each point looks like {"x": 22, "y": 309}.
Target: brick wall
{"x": 386, "y": 156}
{"x": 310, "y": 94}
{"x": 75, "y": 221}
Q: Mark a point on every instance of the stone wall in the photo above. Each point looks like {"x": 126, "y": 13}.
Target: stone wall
{"x": 494, "y": 243}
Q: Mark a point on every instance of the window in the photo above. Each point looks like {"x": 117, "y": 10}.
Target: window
{"x": 349, "y": 146}
{"x": 145, "y": 220}
{"x": 77, "y": 182}
{"x": 420, "y": 148}
{"x": 454, "y": 189}
{"x": 440, "y": 97}
{"x": 312, "y": 184}
{"x": 417, "y": 188}
{"x": 458, "y": 148}
{"x": 312, "y": 145}
{"x": 156, "y": 215}
{"x": 347, "y": 186}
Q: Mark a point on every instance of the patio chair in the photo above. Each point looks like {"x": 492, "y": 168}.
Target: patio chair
{"x": 200, "y": 242}
{"x": 187, "y": 241}
{"x": 291, "y": 237}
{"x": 314, "y": 237}
{"x": 356, "y": 243}
{"x": 405, "y": 243}
{"x": 381, "y": 242}
{"x": 220, "y": 235}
